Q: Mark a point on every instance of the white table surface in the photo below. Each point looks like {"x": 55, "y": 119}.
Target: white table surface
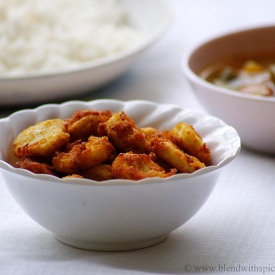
{"x": 233, "y": 232}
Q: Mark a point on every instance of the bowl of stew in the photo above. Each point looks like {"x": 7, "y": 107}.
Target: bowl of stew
{"x": 233, "y": 77}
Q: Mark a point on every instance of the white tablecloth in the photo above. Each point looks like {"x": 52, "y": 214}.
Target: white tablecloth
{"x": 233, "y": 233}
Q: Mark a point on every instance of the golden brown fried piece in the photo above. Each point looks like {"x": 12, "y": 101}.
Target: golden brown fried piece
{"x": 125, "y": 134}
{"x": 167, "y": 134}
{"x": 99, "y": 172}
{"x": 69, "y": 146}
{"x": 186, "y": 138}
{"x": 137, "y": 166}
{"x": 73, "y": 176}
{"x": 149, "y": 132}
{"x": 160, "y": 162}
{"x": 42, "y": 139}
{"x": 84, "y": 123}
{"x": 34, "y": 165}
{"x": 83, "y": 156}
{"x": 170, "y": 153}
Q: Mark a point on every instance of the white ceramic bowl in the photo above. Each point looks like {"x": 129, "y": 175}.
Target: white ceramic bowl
{"x": 252, "y": 116}
{"x": 116, "y": 214}
{"x": 152, "y": 17}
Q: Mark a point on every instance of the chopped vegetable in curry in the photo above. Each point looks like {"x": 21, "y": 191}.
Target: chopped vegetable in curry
{"x": 251, "y": 78}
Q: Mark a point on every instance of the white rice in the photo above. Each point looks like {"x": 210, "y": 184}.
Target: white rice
{"x": 44, "y": 35}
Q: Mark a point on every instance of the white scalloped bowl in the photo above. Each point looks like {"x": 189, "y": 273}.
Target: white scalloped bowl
{"x": 116, "y": 214}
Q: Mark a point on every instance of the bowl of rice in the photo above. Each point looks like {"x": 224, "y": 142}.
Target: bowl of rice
{"x": 55, "y": 49}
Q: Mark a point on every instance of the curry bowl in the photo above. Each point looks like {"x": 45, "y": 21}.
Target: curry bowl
{"x": 117, "y": 214}
{"x": 251, "y": 114}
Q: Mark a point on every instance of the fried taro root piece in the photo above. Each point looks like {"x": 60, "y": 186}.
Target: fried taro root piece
{"x": 149, "y": 132}
{"x": 160, "y": 162}
{"x": 34, "y": 165}
{"x": 69, "y": 146}
{"x": 137, "y": 166}
{"x": 83, "y": 156}
{"x": 170, "y": 153}
{"x": 124, "y": 133}
{"x": 41, "y": 139}
{"x": 84, "y": 123}
{"x": 73, "y": 176}
{"x": 186, "y": 138}
{"x": 99, "y": 172}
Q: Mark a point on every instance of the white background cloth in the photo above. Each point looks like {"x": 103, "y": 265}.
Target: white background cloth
{"x": 235, "y": 230}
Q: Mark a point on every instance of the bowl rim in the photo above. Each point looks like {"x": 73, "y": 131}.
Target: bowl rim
{"x": 193, "y": 77}
{"x": 118, "y": 182}
{"x": 145, "y": 43}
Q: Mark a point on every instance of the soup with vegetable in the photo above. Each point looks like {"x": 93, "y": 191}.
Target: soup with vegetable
{"x": 251, "y": 76}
